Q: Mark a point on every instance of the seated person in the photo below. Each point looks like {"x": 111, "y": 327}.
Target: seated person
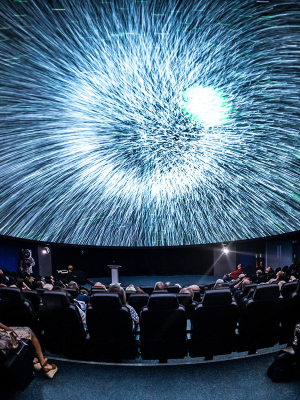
{"x": 188, "y": 290}
{"x": 74, "y": 301}
{"x": 99, "y": 284}
{"x": 218, "y": 283}
{"x": 115, "y": 288}
{"x": 194, "y": 287}
{"x": 159, "y": 286}
{"x": 233, "y": 275}
{"x": 83, "y": 296}
{"x": 19, "y": 333}
{"x": 131, "y": 287}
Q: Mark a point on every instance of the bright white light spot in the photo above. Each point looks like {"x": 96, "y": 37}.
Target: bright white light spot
{"x": 205, "y": 105}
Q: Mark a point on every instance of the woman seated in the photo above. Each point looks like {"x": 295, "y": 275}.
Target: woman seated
{"x": 120, "y": 291}
{"x": 19, "y": 333}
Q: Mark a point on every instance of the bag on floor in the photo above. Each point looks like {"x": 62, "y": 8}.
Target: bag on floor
{"x": 283, "y": 369}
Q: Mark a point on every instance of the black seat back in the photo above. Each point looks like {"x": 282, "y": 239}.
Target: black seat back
{"x": 16, "y": 310}
{"x": 290, "y": 315}
{"x": 64, "y": 332}
{"x": 173, "y": 289}
{"x": 163, "y": 328}
{"x": 214, "y": 324}
{"x": 288, "y": 288}
{"x": 34, "y": 298}
{"x": 138, "y": 301}
{"x": 186, "y": 300}
{"x": 260, "y": 318}
{"x": 110, "y": 326}
{"x": 97, "y": 289}
{"x": 197, "y": 295}
{"x": 147, "y": 289}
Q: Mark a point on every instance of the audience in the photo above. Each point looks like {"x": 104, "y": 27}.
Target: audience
{"x": 236, "y": 281}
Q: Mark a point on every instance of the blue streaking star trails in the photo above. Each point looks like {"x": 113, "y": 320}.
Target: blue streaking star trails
{"x": 149, "y": 123}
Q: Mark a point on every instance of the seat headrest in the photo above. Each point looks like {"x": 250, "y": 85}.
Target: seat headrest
{"x": 163, "y": 302}
{"x": 55, "y": 299}
{"x": 266, "y": 292}
{"x": 10, "y": 294}
{"x": 160, "y": 291}
{"x": 217, "y": 297}
{"x": 289, "y": 286}
{"x": 248, "y": 288}
{"x": 173, "y": 289}
{"x": 184, "y": 298}
{"x": 138, "y": 295}
{"x": 106, "y": 301}
{"x": 97, "y": 289}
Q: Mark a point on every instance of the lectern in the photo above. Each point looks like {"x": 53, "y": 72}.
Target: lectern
{"x": 114, "y": 273}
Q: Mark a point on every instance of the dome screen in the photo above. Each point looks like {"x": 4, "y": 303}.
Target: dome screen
{"x": 149, "y": 123}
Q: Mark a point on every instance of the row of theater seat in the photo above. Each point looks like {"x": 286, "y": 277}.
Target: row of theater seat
{"x": 218, "y": 324}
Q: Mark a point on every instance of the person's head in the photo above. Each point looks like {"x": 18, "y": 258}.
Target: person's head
{"x": 279, "y": 273}
{"x": 131, "y": 287}
{"x": 70, "y": 268}
{"x": 19, "y": 283}
{"x": 99, "y": 284}
{"x": 159, "y": 286}
{"x": 1, "y": 271}
{"x": 268, "y": 269}
{"x": 194, "y": 287}
{"x": 187, "y": 290}
{"x": 49, "y": 279}
{"x": 218, "y": 283}
{"x": 115, "y": 288}
{"x": 245, "y": 282}
{"x": 30, "y": 279}
{"x": 259, "y": 272}
{"x": 239, "y": 266}
{"x": 73, "y": 285}
{"x": 168, "y": 284}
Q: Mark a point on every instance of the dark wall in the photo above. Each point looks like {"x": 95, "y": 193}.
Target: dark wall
{"x": 135, "y": 261}
{"x": 10, "y": 253}
{"x": 140, "y": 261}
{"x": 246, "y": 254}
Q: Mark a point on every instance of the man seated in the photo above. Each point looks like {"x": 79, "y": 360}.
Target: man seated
{"x": 194, "y": 287}
{"x": 233, "y": 275}
{"x": 188, "y": 290}
{"x": 159, "y": 286}
{"x": 99, "y": 284}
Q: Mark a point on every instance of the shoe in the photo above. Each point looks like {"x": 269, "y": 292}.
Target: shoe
{"x": 37, "y": 366}
{"x": 49, "y": 372}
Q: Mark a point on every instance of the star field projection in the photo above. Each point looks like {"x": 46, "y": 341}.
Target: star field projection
{"x": 149, "y": 123}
